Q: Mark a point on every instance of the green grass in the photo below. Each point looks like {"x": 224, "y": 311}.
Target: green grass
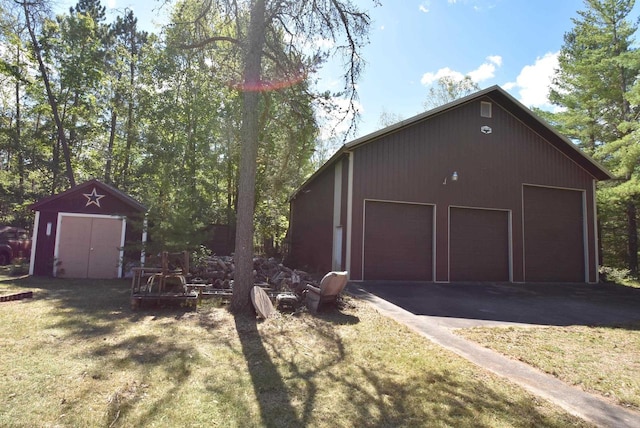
{"x": 76, "y": 355}
{"x": 602, "y": 360}
{"x": 13, "y": 270}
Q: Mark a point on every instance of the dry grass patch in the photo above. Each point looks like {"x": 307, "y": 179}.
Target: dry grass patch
{"x": 604, "y": 360}
{"x": 76, "y": 355}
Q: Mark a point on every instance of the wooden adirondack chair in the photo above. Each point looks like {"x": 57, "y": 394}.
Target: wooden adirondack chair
{"x": 330, "y": 287}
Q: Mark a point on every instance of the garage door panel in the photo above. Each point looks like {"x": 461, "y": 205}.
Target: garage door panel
{"x": 398, "y": 241}
{"x": 105, "y": 248}
{"x": 553, "y": 233}
{"x": 75, "y": 238}
{"x": 89, "y": 247}
{"x": 478, "y": 245}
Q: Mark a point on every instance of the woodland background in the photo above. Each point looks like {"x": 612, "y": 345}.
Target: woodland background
{"x": 159, "y": 116}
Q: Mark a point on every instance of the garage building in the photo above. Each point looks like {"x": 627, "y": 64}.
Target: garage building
{"x": 84, "y": 231}
{"x": 480, "y": 189}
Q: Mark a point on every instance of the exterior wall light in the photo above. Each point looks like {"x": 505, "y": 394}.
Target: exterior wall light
{"x": 454, "y": 177}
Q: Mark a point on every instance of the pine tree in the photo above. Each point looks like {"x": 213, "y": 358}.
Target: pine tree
{"x": 595, "y": 86}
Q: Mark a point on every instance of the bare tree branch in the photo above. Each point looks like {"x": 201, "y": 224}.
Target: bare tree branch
{"x": 208, "y": 41}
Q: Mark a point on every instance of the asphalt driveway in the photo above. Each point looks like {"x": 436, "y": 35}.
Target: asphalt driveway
{"x": 433, "y": 310}
{"x": 459, "y": 305}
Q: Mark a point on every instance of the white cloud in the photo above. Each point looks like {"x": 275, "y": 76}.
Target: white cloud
{"x": 111, "y": 4}
{"x": 496, "y": 59}
{"x": 534, "y": 81}
{"x": 424, "y": 7}
{"x": 485, "y": 71}
{"x": 429, "y": 78}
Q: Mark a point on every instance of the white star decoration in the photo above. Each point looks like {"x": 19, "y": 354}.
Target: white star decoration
{"x": 93, "y": 198}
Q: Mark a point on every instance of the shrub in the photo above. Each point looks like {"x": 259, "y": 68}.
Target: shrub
{"x": 612, "y": 274}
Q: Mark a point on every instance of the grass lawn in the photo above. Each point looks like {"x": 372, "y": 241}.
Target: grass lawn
{"x": 603, "y": 360}
{"x": 76, "y": 355}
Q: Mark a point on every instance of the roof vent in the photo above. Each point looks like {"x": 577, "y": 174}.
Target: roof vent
{"x": 485, "y": 109}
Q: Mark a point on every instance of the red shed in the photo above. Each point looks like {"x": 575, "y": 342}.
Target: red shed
{"x": 81, "y": 233}
{"x": 480, "y": 189}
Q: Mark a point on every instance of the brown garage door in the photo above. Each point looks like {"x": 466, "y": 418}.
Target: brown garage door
{"x": 553, "y": 234}
{"x": 398, "y": 242}
{"x": 478, "y": 245}
{"x": 89, "y": 247}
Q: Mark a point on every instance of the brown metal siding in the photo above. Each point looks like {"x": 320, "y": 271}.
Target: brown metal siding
{"x": 411, "y": 164}
{"x": 398, "y": 242}
{"x": 479, "y": 245}
{"x": 312, "y": 225}
{"x": 553, "y": 230}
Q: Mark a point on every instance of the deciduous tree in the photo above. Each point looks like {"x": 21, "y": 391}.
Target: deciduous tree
{"x": 447, "y": 89}
{"x": 35, "y": 14}
{"x": 261, "y": 27}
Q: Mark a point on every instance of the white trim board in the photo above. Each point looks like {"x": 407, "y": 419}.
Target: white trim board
{"x": 34, "y": 242}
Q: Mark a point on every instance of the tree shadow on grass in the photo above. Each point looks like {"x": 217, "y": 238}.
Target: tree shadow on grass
{"x": 306, "y": 383}
{"x": 89, "y": 318}
{"x": 271, "y": 392}
{"x": 94, "y": 307}
{"x": 296, "y": 381}
{"x": 441, "y": 399}
{"x": 306, "y": 364}
{"x": 148, "y": 352}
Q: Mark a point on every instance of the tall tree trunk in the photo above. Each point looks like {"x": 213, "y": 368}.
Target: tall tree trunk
{"x": 632, "y": 238}
{"x": 243, "y": 279}
{"x": 18, "y": 134}
{"x": 112, "y": 137}
{"x": 130, "y": 129}
{"x": 230, "y": 185}
{"x": 50, "y": 97}
{"x": 55, "y": 167}
{"x": 72, "y": 141}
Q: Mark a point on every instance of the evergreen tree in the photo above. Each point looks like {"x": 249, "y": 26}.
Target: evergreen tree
{"x": 594, "y": 84}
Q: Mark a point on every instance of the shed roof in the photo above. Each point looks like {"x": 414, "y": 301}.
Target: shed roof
{"x": 501, "y": 97}
{"x": 123, "y": 197}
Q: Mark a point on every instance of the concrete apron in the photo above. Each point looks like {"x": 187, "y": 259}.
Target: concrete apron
{"x": 592, "y": 408}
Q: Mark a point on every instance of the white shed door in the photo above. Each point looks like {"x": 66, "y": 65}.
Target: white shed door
{"x": 89, "y": 247}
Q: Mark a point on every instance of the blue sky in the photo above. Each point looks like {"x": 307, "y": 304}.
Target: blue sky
{"x": 511, "y": 43}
